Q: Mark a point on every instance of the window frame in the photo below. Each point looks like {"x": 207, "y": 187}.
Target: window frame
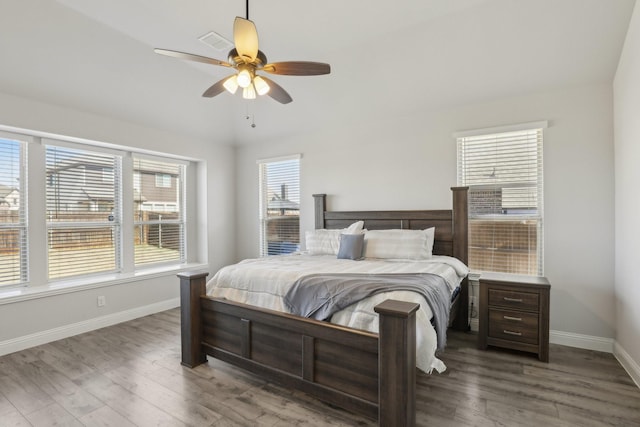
{"x": 263, "y": 203}
{"x": 486, "y": 207}
{"x": 113, "y": 221}
{"x": 22, "y": 225}
{"x": 181, "y": 205}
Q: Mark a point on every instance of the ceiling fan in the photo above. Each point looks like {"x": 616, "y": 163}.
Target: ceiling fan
{"x": 247, "y": 60}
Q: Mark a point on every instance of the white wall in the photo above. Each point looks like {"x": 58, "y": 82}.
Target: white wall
{"x": 216, "y": 245}
{"x": 627, "y": 178}
{"x": 409, "y": 162}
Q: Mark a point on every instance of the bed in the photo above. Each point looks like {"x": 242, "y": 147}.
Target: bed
{"x": 372, "y": 374}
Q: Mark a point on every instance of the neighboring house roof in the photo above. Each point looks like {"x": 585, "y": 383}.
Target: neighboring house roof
{"x": 96, "y": 192}
{"x": 5, "y": 190}
{"x": 99, "y": 193}
{"x": 275, "y": 203}
{"x": 280, "y": 201}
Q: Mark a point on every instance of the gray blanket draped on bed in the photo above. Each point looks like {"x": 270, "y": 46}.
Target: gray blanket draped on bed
{"x": 318, "y": 296}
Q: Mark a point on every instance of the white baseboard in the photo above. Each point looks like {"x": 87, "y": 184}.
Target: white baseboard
{"x": 587, "y": 342}
{"x": 630, "y": 365}
{"x": 43, "y": 337}
{"x": 569, "y": 339}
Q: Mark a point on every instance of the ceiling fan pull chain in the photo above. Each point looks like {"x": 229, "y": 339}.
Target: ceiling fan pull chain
{"x": 250, "y": 115}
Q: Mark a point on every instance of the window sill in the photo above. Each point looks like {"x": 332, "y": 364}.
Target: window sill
{"x": 13, "y": 295}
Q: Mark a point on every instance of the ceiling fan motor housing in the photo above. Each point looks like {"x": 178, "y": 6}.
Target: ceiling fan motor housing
{"x": 236, "y": 59}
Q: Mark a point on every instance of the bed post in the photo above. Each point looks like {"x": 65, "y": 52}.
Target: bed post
{"x": 461, "y": 251}
{"x": 192, "y": 287}
{"x": 320, "y": 206}
{"x": 397, "y": 363}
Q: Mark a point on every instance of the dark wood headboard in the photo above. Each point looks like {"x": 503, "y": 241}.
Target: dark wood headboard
{"x": 451, "y": 237}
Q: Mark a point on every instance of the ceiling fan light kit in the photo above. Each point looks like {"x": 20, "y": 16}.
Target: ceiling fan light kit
{"x": 247, "y": 59}
{"x": 231, "y": 84}
{"x": 262, "y": 87}
{"x": 244, "y": 78}
{"x": 249, "y": 92}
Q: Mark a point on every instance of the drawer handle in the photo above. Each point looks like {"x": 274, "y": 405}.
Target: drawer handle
{"x": 518, "y": 334}
{"x": 513, "y": 299}
{"x": 517, "y": 319}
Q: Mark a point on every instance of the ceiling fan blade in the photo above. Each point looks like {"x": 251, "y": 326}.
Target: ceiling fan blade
{"x": 297, "y": 68}
{"x": 277, "y": 92}
{"x": 245, "y": 37}
{"x": 216, "y": 89}
{"x": 192, "y": 57}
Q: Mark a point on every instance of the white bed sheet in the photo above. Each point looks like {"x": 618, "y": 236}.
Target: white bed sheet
{"x": 265, "y": 281}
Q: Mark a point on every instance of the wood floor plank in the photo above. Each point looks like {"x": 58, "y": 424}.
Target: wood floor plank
{"x": 67, "y": 363}
{"x": 506, "y": 412}
{"x": 133, "y": 408}
{"x": 15, "y": 419}
{"x": 105, "y": 417}
{"x": 474, "y": 388}
{"x": 25, "y": 396}
{"x": 213, "y": 393}
{"x": 188, "y": 411}
{"x": 5, "y": 406}
{"x": 519, "y": 387}
{"x": 52, "y": 415}
{"x": 278, "y": 402}
{"x": 582, "y": 418}
{"x": 61, "y": 389}
{"x": 130, "y": 375}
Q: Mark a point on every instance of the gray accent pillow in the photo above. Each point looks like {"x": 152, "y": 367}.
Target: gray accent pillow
{"x": 351, "y": 246}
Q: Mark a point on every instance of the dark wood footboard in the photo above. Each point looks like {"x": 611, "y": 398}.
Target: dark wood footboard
{"x": 369, "y": 374}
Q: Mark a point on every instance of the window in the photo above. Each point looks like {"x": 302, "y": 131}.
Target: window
{"x": 163, "y": 180}
{"x": 71, "y": 220}
{"x": 279, "y": 205}
{"x": 83, "y": 212}
{"x": 503, "y": 169}
{"x": 13, "y": 213}
{"x": 158, "y": 211}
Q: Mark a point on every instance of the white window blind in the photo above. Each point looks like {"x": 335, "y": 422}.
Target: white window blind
{"x": 83, "y": 212}
{"x": 13, "y": 213}
{"x": 504, "y": 174}
{"x": 279, "y": 206}
{"x": 159, "y": 211}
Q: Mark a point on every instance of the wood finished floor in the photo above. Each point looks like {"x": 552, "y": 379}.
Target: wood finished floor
{"x": 130, "y": 375}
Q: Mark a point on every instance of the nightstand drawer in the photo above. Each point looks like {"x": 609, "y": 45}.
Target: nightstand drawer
{"x": 514, "y": 299}
{"x": 513, "y": 326}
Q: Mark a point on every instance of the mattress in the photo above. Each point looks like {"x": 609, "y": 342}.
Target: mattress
{"x": 264, "y": 282}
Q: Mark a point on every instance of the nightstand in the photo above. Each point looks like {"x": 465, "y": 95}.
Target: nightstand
{"x": 514, "y": 313}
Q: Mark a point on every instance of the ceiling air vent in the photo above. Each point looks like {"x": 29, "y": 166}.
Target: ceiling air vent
{"x": 216, "y": 41}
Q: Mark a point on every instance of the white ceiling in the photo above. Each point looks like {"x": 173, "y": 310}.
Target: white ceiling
{"x": 386, "y": 57}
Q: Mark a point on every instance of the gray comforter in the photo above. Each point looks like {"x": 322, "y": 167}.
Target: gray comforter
{"x": 318, "y": 296}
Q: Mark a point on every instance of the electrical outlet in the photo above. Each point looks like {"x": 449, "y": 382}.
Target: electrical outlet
{"x": 102, "y": 301}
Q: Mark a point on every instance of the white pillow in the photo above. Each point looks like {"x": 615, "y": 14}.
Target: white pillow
{"x": 399, "y": 244}
{"x": 327, "y": 242}
{"x": 354, "y": 228}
